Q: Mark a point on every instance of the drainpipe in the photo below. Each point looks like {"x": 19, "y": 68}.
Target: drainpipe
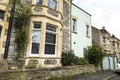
{"x": 9, "y": 30}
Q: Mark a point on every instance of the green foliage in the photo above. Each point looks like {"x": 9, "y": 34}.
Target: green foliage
{"x": 68, "y": 58}
{"x": 21, "y": 22}
{"x": 95, "y": 55}
{"x": 81, "y": 61}
{"x": 31, "y": 64}
{"x": 61, "y": 78}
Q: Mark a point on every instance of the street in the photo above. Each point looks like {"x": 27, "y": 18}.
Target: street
{"x": 102, "y": 75}
{"x": 115, "y": 78}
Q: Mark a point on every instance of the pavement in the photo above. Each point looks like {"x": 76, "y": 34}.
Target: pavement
{"x": 101, "y": 75}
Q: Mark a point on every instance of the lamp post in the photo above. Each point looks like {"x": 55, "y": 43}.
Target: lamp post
{"x": 9, "y": 29}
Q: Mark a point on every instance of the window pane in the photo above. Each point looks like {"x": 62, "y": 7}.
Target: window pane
{"x": 2, "y": 13}
{"x": 87, "y": 30}
{"x": 51, "y": 28}
{"x": 104, "y": 40}
{"x": 39, "y": 1}
{"x": 49, "y": 49}
{"x": 37, "y": 25}
{"x": 35, "y": 48}
{"x": 52, "y": 4}
{"x": 73, "y": 25}
{"x": 36, "y": 36}
{"x": 50, "y": 38}
{"x": 35, "y": 42}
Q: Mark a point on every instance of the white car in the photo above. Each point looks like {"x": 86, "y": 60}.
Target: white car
{"x": 118, "y": 67}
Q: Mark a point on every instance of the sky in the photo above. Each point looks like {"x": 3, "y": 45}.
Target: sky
{"x": 104, "y": 13}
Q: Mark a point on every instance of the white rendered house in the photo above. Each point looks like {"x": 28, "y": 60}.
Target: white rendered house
{"x": 81, "y": 36}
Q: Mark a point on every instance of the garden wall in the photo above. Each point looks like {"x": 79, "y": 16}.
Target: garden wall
{"x": 43, "y": 74}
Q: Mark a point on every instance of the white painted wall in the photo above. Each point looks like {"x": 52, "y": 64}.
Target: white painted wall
{"x": 80, "y": 38}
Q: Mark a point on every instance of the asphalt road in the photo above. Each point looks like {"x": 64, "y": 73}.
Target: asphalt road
{"x": 115, "y": 78}
{"x": 98, "y": 76}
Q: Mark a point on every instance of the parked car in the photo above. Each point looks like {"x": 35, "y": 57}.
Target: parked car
{"x": 118, "y": 67}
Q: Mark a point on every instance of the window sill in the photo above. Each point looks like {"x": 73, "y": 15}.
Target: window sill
{"x": 50, "y": 55}
{"x": 88, "y": 36}
{"x": 74, "y": 32}
{"x": 34, "y": 55}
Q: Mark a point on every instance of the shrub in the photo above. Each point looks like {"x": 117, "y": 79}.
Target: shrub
{"x": 68, "y": 58}
{"x": 31, "y": 64}
{"x": 81, "y": 61}
{"x": 95, "y": 55}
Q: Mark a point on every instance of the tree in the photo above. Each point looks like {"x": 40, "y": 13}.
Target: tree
{"x": 22, "y": 18}
{"x": 21, "y": 23}
{"x": 95, "y": 55}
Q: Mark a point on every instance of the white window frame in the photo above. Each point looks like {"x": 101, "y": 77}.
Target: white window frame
{"x": 74, "y": 25}
{"x": 87, "y": 31}
{"x": 55, "y": 33}
{"x": 35, "y": 55}
{"x": 55, "y": 8}
{"x": 38, "y": 4}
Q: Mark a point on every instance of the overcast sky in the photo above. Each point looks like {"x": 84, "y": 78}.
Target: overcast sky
{"x": 104, "y": 13}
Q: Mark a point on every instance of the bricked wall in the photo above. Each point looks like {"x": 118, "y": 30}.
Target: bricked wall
{"x": 43, "y": 74}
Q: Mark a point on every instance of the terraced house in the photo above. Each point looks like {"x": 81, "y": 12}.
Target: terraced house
{"x": 110, "y": 45}
{"x": 49, "y": 26}
{"x": 49, "y": 32}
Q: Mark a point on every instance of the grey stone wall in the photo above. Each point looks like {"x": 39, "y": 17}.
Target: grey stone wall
{"x": 66, "y": 23}
{"x": 95, "y": 36}
{"x": 43, "y": 74}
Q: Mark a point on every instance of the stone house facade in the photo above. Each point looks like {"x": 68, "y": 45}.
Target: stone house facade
{"x": 109, "y": 44}
{"x": 49, "y": 32}
{"x": 45, "y": 44}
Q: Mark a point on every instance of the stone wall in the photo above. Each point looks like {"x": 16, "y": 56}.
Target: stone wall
{"x": 43, "y": 74}
{"x": 66, "y": 25}
{"x": 95, "y": 36}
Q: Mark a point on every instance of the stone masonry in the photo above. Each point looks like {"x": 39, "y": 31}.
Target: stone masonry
{"x": 43, "y": 74}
